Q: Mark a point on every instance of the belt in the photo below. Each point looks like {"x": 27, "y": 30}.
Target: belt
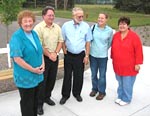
{"x": 81, "y": 53}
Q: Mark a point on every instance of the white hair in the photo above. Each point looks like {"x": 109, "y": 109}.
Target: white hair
{"x": 76, "y": 9}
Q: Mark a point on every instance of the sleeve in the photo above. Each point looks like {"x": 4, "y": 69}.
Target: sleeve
{"x": 138, "y": 50}
{"x": 16, "y": 47}
{"x": 110, "y": 39}
{"x": 60, "y": 37}
{"x": 89, "y": 35}
{"x": 112, "y": 44}
{"x": 111, "y": 51}
{"x": 63, "y": 32}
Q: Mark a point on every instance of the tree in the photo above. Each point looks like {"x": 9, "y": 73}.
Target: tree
{"x": 65, "y": 4}
{"x": 56, "y": 4}
{"x": 10, "y": 9}
{"x": 133, "y": 5}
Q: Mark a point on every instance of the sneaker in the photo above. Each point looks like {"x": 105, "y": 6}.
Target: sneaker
{"x": 117, "y": 101}
{"x": 122, "y": 103}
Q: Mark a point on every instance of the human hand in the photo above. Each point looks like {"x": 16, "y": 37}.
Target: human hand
{"x": 137, "y": 67}
{"x": 86, "y": 60}
{"x": 53, "y": 56}
{"x": 38, "y": 70}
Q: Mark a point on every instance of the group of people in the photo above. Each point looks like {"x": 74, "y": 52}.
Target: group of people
{"x": 35, "y": 55}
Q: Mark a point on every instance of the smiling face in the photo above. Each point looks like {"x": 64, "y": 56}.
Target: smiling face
{"x": 26, "y": 20}
{"x": 123, "y": 27}
{"x": 102, "y": 19}
{"x": 27, "y": 24}
{"x": 123, "y": 24}
{"x": 49, "y": 17}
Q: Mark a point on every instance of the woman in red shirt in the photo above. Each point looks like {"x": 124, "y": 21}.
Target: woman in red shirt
{"x": 127, "y": 55}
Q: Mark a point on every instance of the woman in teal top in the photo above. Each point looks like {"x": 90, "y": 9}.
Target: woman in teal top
{"x": 102, "y": 37}
{"x": 27, "y": 55}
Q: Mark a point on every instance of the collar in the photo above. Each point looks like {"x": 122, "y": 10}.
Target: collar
{"x": 74, "y": 23}
{"x": 45, "y": 25}
{"x": 101, "y": 27}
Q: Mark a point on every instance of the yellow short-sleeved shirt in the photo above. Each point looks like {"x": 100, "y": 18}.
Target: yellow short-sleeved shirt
{"x": 49, "y": 36}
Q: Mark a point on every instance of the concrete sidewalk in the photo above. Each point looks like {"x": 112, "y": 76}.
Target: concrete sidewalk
{"x": 140, "y": 105}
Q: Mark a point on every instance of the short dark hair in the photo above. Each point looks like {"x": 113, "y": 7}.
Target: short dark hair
{"x": 125, "y": 20}
{"x": 44, "y": 11}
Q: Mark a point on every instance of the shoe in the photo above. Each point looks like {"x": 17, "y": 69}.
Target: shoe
{"x": 78, "y": 98}
{"x": 100, "y": 96}
{"x": 122, "y": 103}
{"x": 117, "y": 101}
{"x": 63, "y": 100}
{"x": 93, "y": 93}
{"x": 50, "y": 102}
{"x": 40, "y": 110}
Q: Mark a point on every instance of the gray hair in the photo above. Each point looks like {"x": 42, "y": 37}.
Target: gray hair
{"x": 76, "y": 9}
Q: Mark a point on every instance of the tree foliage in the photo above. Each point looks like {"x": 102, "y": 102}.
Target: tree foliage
{"x": 10, "y": 9}
{"x": 133, "y": 5}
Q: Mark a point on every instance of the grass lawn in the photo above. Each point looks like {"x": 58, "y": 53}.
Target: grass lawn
{"x": 92, "y": 11}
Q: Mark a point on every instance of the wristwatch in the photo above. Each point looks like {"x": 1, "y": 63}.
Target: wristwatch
{"x": 57, "y": 53}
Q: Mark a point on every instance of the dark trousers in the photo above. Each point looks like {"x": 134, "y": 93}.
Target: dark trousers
{"x": 50, "y": 74}
{"x": 73, "y": 65}
{"x": 29, "y": 100}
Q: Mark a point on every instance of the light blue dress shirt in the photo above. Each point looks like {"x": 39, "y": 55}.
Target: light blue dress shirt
{"x": 76, "y": 35}
{"x": 102, "y": 38}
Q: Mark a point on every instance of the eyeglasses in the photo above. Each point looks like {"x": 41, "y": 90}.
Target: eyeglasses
{"x": 80, "y": 17}
{"x": 50, "y": 15}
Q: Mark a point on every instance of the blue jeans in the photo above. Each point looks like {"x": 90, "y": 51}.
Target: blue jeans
{"x": 125, "y": 87}
{"x": 98, "y": 64}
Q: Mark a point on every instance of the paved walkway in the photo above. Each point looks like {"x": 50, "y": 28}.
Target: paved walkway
{"x": 140, "y": 105}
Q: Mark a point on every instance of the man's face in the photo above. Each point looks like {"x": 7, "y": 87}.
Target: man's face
{"x": 49, "y": 17}
{"x": 78, "y": 17}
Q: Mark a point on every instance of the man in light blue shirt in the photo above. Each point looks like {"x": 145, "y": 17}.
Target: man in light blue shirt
{"x": 102, "y": 37}
{"x": 77, "y": 36}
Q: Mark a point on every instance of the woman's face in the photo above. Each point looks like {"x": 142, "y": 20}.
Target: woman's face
{"x": 27, "y": 24}
{"x": 102, "y": 19}
{"x": 123, "y": 27}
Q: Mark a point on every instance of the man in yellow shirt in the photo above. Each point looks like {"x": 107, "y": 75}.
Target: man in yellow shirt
{"x": 51, "y": 40}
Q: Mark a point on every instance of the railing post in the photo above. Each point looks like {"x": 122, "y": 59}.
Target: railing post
{"x": 6, "y": 51}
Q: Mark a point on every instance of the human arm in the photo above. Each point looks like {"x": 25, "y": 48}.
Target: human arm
{"x": 27, "y": 66}
{"x": 138, "y": 52}
{"x": 87, "y": 51}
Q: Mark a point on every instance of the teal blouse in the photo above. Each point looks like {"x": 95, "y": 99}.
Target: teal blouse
{"x": 21, "y": 46}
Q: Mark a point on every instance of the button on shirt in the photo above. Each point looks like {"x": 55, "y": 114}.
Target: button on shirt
{"x": 76, "y": 35}
{"x": 49, "y": 36}
{"x": 102, "y": 38}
